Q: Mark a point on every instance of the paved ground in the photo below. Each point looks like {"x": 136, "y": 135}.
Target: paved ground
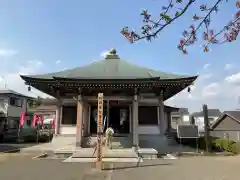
{"x": 11, "y": 146}
{"x": 23, "y": 167}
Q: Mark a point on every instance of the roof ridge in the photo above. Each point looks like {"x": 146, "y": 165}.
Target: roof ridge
{"x": 220, "y": 119}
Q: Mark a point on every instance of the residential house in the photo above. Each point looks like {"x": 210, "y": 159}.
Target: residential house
{"x": 48, "y": 110}
{"x": 180, "y": 117}
{"x": 227, "y": 126}
{"x": 12, "y": 104}
{"x": 213, "y": 114}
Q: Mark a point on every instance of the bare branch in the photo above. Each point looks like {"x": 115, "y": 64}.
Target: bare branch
{"x": 157, "y": 27}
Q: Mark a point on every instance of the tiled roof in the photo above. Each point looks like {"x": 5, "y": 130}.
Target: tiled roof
{"x": 211, "y": 112}
{"x": 235, "y": 115}
{"x": 9, "y": 91}
{"x": 181, "y": 111}
{"x": 112, "y": 67}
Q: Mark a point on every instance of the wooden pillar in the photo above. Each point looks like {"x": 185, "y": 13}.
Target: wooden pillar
{"x": 135, "y": 121}
{"x": 85, "y": 119}
{"x": 79, "y": 121}
{"x": 108, "y": 111}
{"x": 130, "y": 118}
{"x": 161, "y": 122}
{"x": 89, "y": 118}
{"x": 169, "y": 125}
{"x": 58, "y": 119}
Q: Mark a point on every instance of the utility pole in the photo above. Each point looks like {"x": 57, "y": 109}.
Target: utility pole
{"x": 206, "y": 129}
{"x": 5, "y": 82}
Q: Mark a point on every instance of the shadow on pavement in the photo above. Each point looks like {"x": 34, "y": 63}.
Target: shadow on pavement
{"x": 4, "y": 148}
{"x": 135, "y": 166}
{"x": 13, "y": 147}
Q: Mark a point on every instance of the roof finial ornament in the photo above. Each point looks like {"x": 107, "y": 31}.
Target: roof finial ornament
{"x": 112, "y": 54}
{"x": 112, "y": 51}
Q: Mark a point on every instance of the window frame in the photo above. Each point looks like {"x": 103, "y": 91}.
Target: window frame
{"x": 176, "y": 116}
{"x": 154, "y": 122}
{"x": 15, "y": 100}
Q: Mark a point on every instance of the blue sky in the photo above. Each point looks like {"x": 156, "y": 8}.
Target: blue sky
{"x": 52, "y": 35}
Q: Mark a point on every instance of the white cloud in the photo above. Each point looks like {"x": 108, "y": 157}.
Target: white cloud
{"x": 104, "y": 53}
{"x": 58, "y": 62}
{"x": 234, "y": 79}
{"x": 204, "y": 77}
{"x": 210, "y": 90}
{"x": 228, "y": 67}
{"x": 12, "y": 80}
{"x": 206, "y": 66}
{"x": 216, "y": 92}
{"x": 7, "y": 53}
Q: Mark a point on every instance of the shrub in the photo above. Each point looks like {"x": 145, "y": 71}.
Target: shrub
{"x": 223, "y": 144}
{"x": 199, "y": 143}
{"x": 216, "y": 144}
{"x": 235, "y": 148}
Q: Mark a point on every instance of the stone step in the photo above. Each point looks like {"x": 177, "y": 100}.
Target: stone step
{"x": 107, "y": 153}
{"x": 147, "y": 153}
{"x": 116, "y": 142}
{"x": 125, "y": 160}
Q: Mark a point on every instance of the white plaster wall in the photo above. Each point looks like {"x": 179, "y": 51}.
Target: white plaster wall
{"x": 4, "y": 104}
{"x": 148, "y": 129}
{"x": 67, "y": 130}
{"x": 15, "y": 111}
{"x": 185, "y": 118}
{"x": 152, "y": 129}
{"x": 200, "y": 122}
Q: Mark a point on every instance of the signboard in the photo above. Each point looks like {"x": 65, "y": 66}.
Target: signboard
{"x": 99, "y": 131}
{"x": 187, "y": 131}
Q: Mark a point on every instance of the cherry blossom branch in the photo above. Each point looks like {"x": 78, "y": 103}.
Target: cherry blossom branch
{"x": 190, "y": 37}
{"x": 157, "y": 27}
{"x": 151, "y": 28}
{"x": 228, "y": 39}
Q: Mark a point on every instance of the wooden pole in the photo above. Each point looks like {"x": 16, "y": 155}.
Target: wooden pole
{"x": 79, "y": 121}
{"x": 108, "y": 113}
{"x": 206, "y": 128}
{"x": 99, "y": 163}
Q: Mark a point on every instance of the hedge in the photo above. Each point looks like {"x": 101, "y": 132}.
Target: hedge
{"x": 216, "y": 144}
{"x": 227, "y": 145}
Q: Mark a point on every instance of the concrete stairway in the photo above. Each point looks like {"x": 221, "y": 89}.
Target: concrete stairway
{"x": 58, "y": 142}
{"x": 107, "y": 153}
{"x": 117, "y": 142}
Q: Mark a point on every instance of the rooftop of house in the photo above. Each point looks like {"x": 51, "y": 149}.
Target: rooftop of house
{"x": 211, "y": 113}
{"x": 12, "y": 92}
{"x": 183, "y": 111}
{"x": 235, "y": 115}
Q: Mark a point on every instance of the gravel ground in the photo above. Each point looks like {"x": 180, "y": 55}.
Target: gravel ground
{"x": 23, "y": 167}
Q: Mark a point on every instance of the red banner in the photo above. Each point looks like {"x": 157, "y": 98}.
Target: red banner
{"x": 53, "y": 123}
{"x": 22, "y": 118}
{"x": 40, "y": 121}
{"x": 34, "y": 121}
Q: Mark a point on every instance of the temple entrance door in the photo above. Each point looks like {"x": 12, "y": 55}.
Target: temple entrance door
{"x": 119, "y": 119}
